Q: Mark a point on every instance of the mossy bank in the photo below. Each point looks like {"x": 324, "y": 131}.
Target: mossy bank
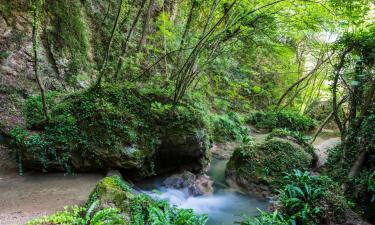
{"x": 122, "y": 127}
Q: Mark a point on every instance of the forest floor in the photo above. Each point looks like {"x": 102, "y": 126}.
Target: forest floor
{"x": 35, "y": 194}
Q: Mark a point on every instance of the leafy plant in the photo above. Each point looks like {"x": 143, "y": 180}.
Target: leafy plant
{"x": 266, "y": 218}
{"x": 70, "y": 216}
{"x": 300, "y": 197}
{"x": 229, "y": 127}
{"x": 108, "y": 216}
{"x": 290, "y": 120}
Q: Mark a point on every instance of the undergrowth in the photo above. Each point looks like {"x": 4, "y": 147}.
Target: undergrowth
{"x": 291, "y": 120}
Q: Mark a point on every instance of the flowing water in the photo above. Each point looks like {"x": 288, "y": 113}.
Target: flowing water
{"x": 224, "y": 207}
{"x": 33, "y": 195}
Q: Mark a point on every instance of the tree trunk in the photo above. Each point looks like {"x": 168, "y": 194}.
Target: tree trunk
{"x": 108, "y": 49}
{"x": 188, "y": 23}
{"x": 356, "y": 167}
{"x": 36, "y": 65}
{"x": 146, "y": 26}
{"x": 334, "y": 93}
{"x": 125, "y": 44}
{"x": 309, "y": 74}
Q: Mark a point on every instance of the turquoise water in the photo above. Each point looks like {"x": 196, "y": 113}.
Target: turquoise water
{"x": 224, "y": 207}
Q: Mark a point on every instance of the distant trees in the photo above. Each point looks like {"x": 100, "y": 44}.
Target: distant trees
{"x": 193, "y": 44}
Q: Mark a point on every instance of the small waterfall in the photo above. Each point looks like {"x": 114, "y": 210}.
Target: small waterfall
{"x": 224, "y": 207}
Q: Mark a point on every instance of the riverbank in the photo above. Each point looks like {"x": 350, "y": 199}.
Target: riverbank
{"x": 35, "y": 194}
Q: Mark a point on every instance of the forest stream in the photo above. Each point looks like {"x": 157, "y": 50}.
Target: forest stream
{"x": 33, "y": 195}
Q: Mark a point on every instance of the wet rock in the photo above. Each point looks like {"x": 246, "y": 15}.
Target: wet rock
{"x": 182, "y": 148}
{"x": 114, "y": 173}
{"x": 7, "y": 163}
{"x": 195, "y": 185}
{"x": 223, "y": 150}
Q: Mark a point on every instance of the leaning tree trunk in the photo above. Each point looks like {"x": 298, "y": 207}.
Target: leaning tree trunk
{"x": 146, "y": 25}
{"x": 109, "y": 44}
{"x": 35, "y": 27}
{"x": 125, "y": 43}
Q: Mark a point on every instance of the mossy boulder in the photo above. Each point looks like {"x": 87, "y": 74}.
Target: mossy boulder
{"x": 259, "y": 168}
{"x": 114, "y": 202}
{"x": 114, "y": 127}
{"x": 111, "y": 192}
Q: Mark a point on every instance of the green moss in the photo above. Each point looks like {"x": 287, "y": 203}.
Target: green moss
{"x": 68, "y": 36}
{"x": 110, "y": 190}
{"x": 266, "y": 163}
{"x": 119, "y": 123}
{"x": 295, "y": 137}
{"x": 6, "y": 7}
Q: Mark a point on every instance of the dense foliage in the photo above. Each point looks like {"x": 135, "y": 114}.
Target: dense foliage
{"x": 229, "y": 127}
{"x": 99, "y": 124}
{"x": 291, "y": 120}
{"x": 305, "y": 199}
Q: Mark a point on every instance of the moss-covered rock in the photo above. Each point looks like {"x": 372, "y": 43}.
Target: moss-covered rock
{"x": 114, "y": 202}
{"x": 111, "y": 191}
{"x": 260, "y": 168}
{"x": 119, "y": 127}
{"x": 295, "y": 137}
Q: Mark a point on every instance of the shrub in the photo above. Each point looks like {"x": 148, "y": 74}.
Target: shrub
{"x": 301, "y": 197}
{"x": 229, "y": 127}
{"x": 75, "y": 216}
{"x": 291, "y": 120}
{"x": 266, "y": 218}
{"x": 70, "y": 216}
{"x": 108, "y": 216}
{"x": 305, "y": 199}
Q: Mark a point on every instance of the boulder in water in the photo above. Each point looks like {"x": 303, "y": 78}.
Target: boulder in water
{"x": 195, "y": 185}
{"x": 260, "y": 168}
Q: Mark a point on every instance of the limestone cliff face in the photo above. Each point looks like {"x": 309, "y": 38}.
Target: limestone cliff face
{"x": 65, "y": 52}
{"x": 17, "y": 80}
{"x": 70, "y": 47}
